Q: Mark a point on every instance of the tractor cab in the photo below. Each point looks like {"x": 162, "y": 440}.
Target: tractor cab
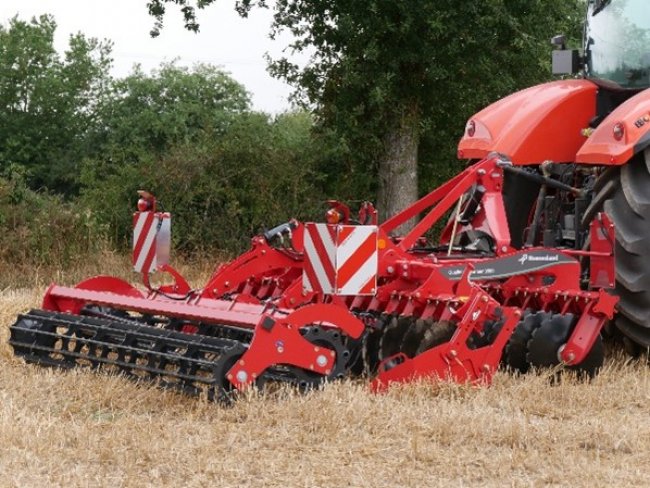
{"x": 616, "y": 56}
{"x": 616, "y": 46}
{"x": 617, "y": 43}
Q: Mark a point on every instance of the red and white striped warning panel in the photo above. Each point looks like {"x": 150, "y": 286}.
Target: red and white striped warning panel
{"x": 356, "y": 260}
{"x": 151, "y": 240}
{"x": 340, "y": 259}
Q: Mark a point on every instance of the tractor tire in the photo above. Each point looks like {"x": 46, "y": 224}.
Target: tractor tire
{"x": 624, "y": 194}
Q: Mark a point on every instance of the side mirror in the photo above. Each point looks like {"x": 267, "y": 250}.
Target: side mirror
{"x": 565, "y": 61}
{"x": 559, "y": 41}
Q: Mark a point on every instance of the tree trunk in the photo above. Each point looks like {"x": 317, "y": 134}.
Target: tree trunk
{"x": 398, "y": 169}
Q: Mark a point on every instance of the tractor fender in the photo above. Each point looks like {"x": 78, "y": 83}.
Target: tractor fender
{"x": 603, "y": 146}
{"x": 538, "y": 124}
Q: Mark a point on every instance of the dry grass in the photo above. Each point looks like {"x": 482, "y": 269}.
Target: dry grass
{"x": 26, "y": 275}
{"x": 78, "y": 429}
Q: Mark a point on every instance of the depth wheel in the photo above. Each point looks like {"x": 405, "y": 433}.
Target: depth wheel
{"x": 516, "y": 350}
{"x": 547, "y": 340}
{"x": 331, "y": 340}
{"x": 393, "y": 336}
{"x": 439, "y": 333}
{"x": 223, "y": 390}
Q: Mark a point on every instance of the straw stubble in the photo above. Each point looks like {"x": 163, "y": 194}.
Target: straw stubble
{"x": 83, "y": 429}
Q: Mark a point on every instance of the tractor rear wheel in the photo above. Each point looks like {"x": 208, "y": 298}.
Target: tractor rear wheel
{"x": 624, "y": 194}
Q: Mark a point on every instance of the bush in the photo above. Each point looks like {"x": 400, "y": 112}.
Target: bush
{"x": 42, "y": 229}
{"x": 221, "y": 190}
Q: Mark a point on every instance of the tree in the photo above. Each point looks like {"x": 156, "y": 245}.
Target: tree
{"x": 401, "y": 71}
{"x": 48, "y": 104}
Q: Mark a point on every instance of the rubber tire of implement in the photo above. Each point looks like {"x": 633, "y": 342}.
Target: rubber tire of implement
{"x": 439, "y": 333}
{"x": 414, "y": 337}
{"x": 624, "y": 194}
{"x": 547, "y": 339}
{"x": 371, "y": 344}
{"x": 516, "y": 350}
{"x": 393, "y": 336}
{"x": 223, "y": 391}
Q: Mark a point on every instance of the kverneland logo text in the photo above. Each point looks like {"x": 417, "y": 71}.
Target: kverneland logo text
{"x": 548, "y": 258}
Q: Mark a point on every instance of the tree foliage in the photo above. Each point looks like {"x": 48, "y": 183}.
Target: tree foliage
{"x": 190, "y": 137}
{"x": 48, "y": 103}
{"x": 222, "y": 190}
{"x": 69, "y": 132}
{"x": 146, "y": 114}
{"x": 444, "y": 59}
{"x": 157, "y": 9}
{"x": 392, "y": 78}
{"x": 388, "y": 83}
{"x": 44, "y": 229}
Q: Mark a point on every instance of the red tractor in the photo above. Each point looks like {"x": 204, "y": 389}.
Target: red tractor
{"x": 541, "y": 254}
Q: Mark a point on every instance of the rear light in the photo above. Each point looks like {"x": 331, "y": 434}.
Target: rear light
{"x": 144, "y": 205}
{"x": 333, "y": 216}
{"x": 471, "y": 128}
{"x": 619, "y": 131}
{"x": 146, "y": 202}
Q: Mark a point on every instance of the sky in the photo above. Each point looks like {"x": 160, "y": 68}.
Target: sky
{"x": 226, "y": 40}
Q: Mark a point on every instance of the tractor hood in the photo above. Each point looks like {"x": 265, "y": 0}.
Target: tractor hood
{"x": 541, "y": 123}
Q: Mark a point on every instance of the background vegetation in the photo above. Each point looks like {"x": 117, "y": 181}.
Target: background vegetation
{"x": 76, "y": 144}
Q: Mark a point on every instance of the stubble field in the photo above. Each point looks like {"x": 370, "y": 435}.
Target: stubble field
{"x": 83, "y": 429}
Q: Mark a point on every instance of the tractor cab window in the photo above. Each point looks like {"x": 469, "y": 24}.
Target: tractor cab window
{"x": 618, "y": 42}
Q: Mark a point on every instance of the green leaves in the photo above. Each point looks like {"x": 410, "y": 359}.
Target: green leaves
{"x": 189, "y": 135}
{"x": 150, "y": 113}
{"x": 372, "y": 59}
{"x": 222, "y": 188}
{"x": 48, "y": 104}
{"x": 157, "y": 10}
